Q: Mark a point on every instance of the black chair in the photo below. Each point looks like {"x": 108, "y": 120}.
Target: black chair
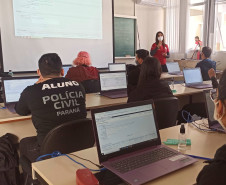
{"x": 91, "y": 86}
{"x": 68, "y": 137}
{"x": 166, "y": 111}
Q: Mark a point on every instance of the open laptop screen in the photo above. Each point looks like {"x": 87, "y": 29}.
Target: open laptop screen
{"x": 173, "y": 67}
{"x": 209, "y": 106}
{"x": 122, "y": 128}
{"x": 113, "y": 81}
{"x": 192, "y": 76}
{"x": 117, "y": 67}
{"x": 13, "y": 88}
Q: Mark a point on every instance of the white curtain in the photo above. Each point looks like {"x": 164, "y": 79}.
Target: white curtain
{"x": 173, "y": 25}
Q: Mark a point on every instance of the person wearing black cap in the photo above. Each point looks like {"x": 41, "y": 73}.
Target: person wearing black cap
{"x": 214, "y": 172}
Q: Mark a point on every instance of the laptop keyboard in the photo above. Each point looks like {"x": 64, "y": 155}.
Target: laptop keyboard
{"x": 138, "y": 161}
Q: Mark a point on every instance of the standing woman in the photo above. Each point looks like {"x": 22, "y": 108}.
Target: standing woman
{"x": 160, "y": 50}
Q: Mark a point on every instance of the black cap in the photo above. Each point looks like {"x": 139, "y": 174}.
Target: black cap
{"x": 182, "y": 129}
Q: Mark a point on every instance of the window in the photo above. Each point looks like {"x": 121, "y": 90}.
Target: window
{"x": 220, "y": 27}
{"x": 196, "y": 20}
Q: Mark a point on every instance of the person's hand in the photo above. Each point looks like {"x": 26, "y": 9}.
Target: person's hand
{"x": 40, "y": 80}
{"x": 212, "y": 73}
{"x": 159, "y": 44}
{"x": 164, "y": 54}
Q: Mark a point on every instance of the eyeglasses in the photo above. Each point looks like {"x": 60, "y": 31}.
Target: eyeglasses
{"x": 213, "y": 94}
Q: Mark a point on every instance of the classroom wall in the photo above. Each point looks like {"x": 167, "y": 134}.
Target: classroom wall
{"x": 150, "y": 19}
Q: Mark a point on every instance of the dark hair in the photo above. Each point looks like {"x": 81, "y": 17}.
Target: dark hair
{"x": 150, "y": 69}
{"x": 156, "y": 38}
{"x": 197, "y": 37}
{"x": 142, "y": 53}
{"x": 206, "y": 51}
{"x": 50, "y": 64}
{"x": 222, "y": 87}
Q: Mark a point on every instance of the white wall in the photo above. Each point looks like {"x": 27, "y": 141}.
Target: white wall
{"x": 220, "y": 58}
{"x": 150, "y": 20}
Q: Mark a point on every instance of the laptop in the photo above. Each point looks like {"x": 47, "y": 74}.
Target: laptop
{"x": 129, "y": 145}
{"x": 117, "y": 66}
{"x": 213, "y": 124}
{"x": 66, "y": 68}
{"x": 113, "y": 84}
{"x": 173, "y": 68}
{"x": 193, "y": 78}
{"x": 13, "y": 87}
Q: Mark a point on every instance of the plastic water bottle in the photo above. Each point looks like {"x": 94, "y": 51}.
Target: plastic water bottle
{"x": 10, "y": 73}
{"x": 182, "y": 140}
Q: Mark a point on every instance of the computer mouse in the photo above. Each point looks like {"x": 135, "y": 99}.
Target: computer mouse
{"x": 85, "y": 177}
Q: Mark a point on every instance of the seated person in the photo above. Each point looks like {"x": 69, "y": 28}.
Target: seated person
{"x": 214, "y": 172}
{"x": 82, "y": 70}
{"x": 133, "y": 75}
{"x": 149, "y": 85}
{"x": 53, "y": 100}
{"x": 206, "y": 64}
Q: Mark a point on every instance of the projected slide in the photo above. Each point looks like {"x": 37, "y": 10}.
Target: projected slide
{"x": 58, "y": 18}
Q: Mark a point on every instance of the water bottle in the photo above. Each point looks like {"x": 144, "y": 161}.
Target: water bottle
{"x": 10, "y": 73}
{"x": 182, "y": 140}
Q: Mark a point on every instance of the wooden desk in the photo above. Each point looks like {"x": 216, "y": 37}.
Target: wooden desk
{"x": 167, "y": 76}
{"x": 203, "y": 144}
{"x": 95, "y": 100}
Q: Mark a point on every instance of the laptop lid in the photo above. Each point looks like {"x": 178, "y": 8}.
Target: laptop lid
{"x": 192, "y": 76}
{"x": 173, "y": 67}
{"x": 112, "y": 80}
{"x": 209, "y": 108}
{"x": 117, "y": 66}
{"x": 66, "y": 68}
{"x": 13, "y": 87}
{"x": 125, "y": 128}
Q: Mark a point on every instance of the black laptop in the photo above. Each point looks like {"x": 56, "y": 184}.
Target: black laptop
{"x": 213, "y": 124}
{"x": 113, "y": 84}
{"x": 13, "y": 87}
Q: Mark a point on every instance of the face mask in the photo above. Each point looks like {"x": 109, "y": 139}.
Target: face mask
{"x": 216, "y": 117}
{"x": 160, "y": 38}
{"x": 137, "y": 62}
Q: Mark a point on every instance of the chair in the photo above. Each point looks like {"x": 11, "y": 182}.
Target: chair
{"x": 67, "y": 137}
{"x": 91, "y": 86}
{"x": 166, "y": 111}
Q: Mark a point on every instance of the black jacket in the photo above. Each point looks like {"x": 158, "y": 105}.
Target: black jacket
{"x": 51, "y": 103}
{"x": 214, "y": 173}
{"x": 205, "y": 65}
{"x": 150, "y": 90}
{"x": 9, "y": 162}
{"x": 133, "y": 77}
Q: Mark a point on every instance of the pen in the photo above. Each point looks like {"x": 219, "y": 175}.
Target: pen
{"x": 198, "y": 157}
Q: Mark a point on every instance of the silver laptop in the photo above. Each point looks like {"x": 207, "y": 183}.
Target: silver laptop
{"x": 193, "y": 78}
{"x": 66, "y": 68}
{"x": 129, "y": 145}
{"x": 213, "y": 124}
{"x": 117, "y": 66}
{"x": 173, "y": 68}
{"x": 13, "y": 87}
{"x": 113, "y": 84}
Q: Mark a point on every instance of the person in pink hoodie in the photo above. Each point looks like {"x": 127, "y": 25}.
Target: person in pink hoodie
{"x": 83, "y": 69}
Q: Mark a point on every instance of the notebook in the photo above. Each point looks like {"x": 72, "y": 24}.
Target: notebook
{"x": 117, "y": 67}
{"x": 213, "y": 124}
{"x": 13, "y": 87}
{"x": 129, "y": 145}
{"x": 66, "y": 68}
{"x": 193, "y": 78}
{"x": 173, "y": 68}
{"x": 113, "y": 84}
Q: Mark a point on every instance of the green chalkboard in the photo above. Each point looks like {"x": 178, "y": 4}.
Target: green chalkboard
{"x": 124, "y": 36}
